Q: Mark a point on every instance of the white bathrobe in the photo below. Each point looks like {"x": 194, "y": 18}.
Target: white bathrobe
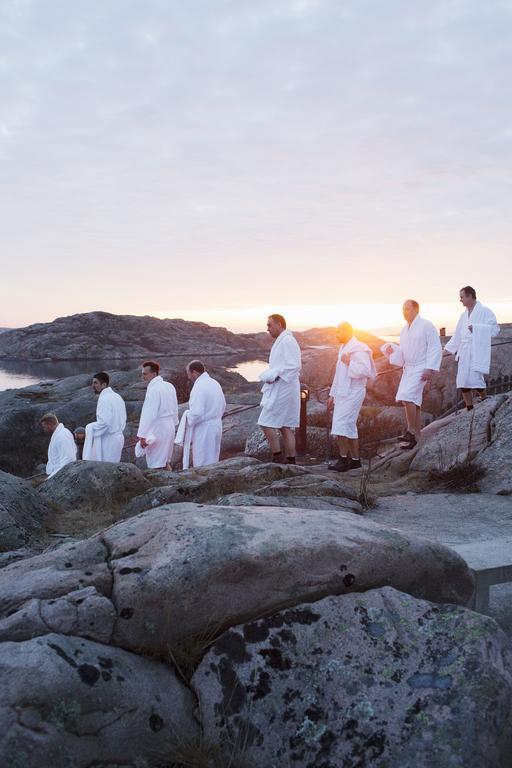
{"x": 281, "y": 385}
{"x": 61, "y": 450}
{"x": 158, "y": 421}
{"x": 349, "y": 386}
{"x": 201, "y": 425}
{"x": 104, "y": 438}
{"x": 473, "y": 349}
{"x": 420, "y": 349}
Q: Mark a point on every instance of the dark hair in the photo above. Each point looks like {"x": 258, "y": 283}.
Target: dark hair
{"x": 102, "y": 377}
{"x": 469, "y": 291}
{"x": 197, "y": 366}
{"x": 49, "y": 418}
{"x": 278, "y": 319}
{"x": 153, "y": 366}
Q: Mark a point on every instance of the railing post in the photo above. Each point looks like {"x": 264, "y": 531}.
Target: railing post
{"x": 301, "y": 432}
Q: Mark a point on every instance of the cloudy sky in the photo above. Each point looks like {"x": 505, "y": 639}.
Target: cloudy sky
{"x": 212, "y": 158}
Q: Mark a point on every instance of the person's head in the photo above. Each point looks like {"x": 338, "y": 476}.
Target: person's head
{"x": 149, "y": 370}
{"x": 344, "y": 332}
{"x": 49, "y": 423}
{"x": 467, "y": 296}
{"x": 100, "y": 381}
{"x": 276, "y": 324}
{"x": 79, "y": 435}
{"x": 410, "y": 309}
{"x": 195, "y": 369}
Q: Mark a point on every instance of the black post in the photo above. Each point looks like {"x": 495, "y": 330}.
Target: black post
{"x": 301, "y": 432}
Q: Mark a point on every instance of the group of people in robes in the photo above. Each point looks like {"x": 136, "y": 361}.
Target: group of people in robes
{"x": 199, "y": 434}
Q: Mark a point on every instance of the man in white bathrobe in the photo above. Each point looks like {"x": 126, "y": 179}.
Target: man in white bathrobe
{"x": 471, "y": 345}
{"x": 104, "y": 439}
{"x": 200, "y": 430}
{"x": 281, "y": 391}
{"x": 419, "y": 354}
{"x": 62, "y": 448}
{"x": 354, "y": 367}
{"x": 158, "y": 419}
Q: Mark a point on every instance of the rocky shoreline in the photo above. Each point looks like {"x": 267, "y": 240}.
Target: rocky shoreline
{"x": 251, "y": 614}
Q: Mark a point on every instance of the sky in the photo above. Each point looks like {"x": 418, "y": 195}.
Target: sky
{"x": 215, "y": 159}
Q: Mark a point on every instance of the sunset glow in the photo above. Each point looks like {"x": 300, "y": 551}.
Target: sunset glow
{"x": 386, "y": 318}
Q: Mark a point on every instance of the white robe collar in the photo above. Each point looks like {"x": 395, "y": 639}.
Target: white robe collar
{"x": 153, "y": 381}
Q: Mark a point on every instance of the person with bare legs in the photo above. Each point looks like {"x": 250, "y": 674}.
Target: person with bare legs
{"x": 353, "y": 369}
{"x": 471, "y": 345}
{"x": 280, "y": 401}
{"x": 419, "y": 354}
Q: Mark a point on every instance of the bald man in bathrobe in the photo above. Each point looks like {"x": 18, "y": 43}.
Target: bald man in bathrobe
{"x": 354, "y": 367}
{"x": 158, "y": 419}
{"x": 281, "y": 391}
{"x": 471, "y": 345}
{"x": 200, "y": 429}
{"x": 62, "y": 448}
{"x": 419, "y": 354}
{"x": 104, "y": 438}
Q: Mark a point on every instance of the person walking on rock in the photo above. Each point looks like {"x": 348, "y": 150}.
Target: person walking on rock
{"x": 200, "y": 430}
{"x": 419, "y": 354}
{"x": 281, "y": 391}
{"x": 471, "y": 345}
{"x": 158, "y": 419}
{"x": 62, "y": 448}
{"x": 354, "y": 367}
{"x": 104, "y": 439}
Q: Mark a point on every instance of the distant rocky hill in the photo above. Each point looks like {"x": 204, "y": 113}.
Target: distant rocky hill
{"x": 101, "y": 335}
{"x": 316, "y": 337}
{"x": 95, "y": 335}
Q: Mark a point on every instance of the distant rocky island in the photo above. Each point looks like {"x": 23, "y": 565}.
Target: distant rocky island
{"x": 102, "y": 335}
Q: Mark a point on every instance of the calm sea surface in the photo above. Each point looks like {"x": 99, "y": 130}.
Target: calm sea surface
{"x": 14, "y": 375}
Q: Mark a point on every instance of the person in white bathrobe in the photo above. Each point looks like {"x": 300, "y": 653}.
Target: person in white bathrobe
{"x": 200, "y": 429}
{"x": 419, "y": 354}
{"x": 104, "y": 439}
{"x": 158, "y": 419}
{"x": 280, "y": 414}
{"x": 62, "y": 448}
{"x": 471, "y": 345}
{"x": 354, "y": 367}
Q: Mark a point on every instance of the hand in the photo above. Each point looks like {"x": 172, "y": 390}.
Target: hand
{"x": 426, "y": 375}
{"x": 470, "y": 328}
{"x": 388, "y": 350}
{"x": 143, "y": 442}
{"x": 345, "y": 359}
{"x": 330, "y": 404}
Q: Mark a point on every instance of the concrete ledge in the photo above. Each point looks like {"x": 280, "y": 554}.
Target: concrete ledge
{"x": 491, "y": 562}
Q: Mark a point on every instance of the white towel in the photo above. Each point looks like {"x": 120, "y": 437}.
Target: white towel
{"x": 184, "y": 438}
{"x": 481, "y": 347}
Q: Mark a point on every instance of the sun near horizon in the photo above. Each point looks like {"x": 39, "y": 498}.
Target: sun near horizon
{"x": 372, "y": 317}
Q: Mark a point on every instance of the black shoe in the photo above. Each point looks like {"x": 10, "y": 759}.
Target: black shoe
{"x": 352, "y": 464}
{"x": 277, "y": 458}
{"x": 340, "y": 464}
{"x": 406, "y": 437}
{"x": 408, "y": 444}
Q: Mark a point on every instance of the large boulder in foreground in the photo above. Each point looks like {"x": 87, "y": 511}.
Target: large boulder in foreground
{"x": 68, "y": 701}
{"x": 88, "y": 495}
{"x": 22, "y": 513}
{"x": 190, "y": 570}
{"x": 380, "y": 679}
